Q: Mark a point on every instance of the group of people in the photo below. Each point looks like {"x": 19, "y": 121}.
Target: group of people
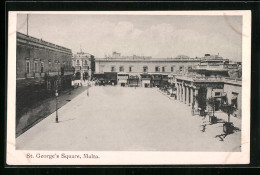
{"x": 80, "y": 82}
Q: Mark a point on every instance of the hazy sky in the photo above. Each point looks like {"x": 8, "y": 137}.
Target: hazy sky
{"x": 148, "y": 35}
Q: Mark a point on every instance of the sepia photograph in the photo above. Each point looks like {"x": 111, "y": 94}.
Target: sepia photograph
{"x": 112, "y": 87}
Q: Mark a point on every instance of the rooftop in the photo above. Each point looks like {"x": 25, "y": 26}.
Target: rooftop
{"x": 146, "y": 59}
{"x": 40, "y": 41}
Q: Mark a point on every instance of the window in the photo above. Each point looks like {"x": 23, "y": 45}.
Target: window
{"x": 113, "y": 69}
{"x": 234, "y": 93}
{"x": 145, "y": 69}
{"x": 181, "y": 69}
{"x": 163, "y": 69}
{"x": 217, "y": 93}
{"x": 27, "y": 67}
{"x": 130, "y": 68}
{"x": 172, "y": 69}
{"x": 35, "y": 66}
{"x": 42, "y": 67}
{"x": 50, "y": 65}
{"x": 77, "y": 62}
{"x": 121, "y": 69}
{"x": 157, "y": 69}
{"x": 86, "y": 62}
{"x": 189, "y": 68}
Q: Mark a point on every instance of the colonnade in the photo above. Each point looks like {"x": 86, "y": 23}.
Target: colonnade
{"x": 186, "y": 94}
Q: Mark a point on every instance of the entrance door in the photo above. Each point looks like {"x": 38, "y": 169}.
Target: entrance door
{"x": 202, "y": 96}
{"x": 217, "y": 106}
{"x": 78, "y": 76}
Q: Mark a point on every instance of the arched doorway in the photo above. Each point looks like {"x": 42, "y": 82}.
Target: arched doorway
{"x": 85, "y": 75}
{"x": 78, "y": 76}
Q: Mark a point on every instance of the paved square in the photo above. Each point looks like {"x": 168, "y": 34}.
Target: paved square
{"x": 126, "y": 119}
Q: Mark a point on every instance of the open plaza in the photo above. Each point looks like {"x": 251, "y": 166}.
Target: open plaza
{"x": 114, "y": 118}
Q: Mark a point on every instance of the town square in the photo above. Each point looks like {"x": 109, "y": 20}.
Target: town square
{"x": 128, "y": 83}
{"x": 128, "y": 119}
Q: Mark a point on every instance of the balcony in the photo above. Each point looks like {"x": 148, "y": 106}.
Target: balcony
{"x": 208, "y": 79}
{"x": 37, "y": 74}
{"x": 53, "y": 73}
{"x": 29, "y": 75}
{"x": 81, "y": 67}
{"x": 209, "y": 67}
{"x": 196, "y": 78}
{"x": 68, "y": 72}
{"x": 216, "y": 67}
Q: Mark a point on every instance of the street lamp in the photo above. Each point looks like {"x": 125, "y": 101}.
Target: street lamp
{"x": 56, "y": 94}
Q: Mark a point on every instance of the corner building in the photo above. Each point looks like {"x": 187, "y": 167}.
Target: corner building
{"x": 83, "y": 65}
{"x": 41, "y": 68}
{"x": 213, "y": 77}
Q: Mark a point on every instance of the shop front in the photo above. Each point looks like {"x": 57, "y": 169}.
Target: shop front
{"x": 156, "y": 80}
{"x": 165, "y": 80}
{"x": 110, "y": 78}
{"x": 145, "y": 80}
{"x": 133, "y": 81}
{"x": 99, "y": 79}
{"x": 122, "y": 79}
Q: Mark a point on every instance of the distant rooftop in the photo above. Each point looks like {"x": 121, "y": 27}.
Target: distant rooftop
{"x": 116, "y": 56}
{"x": 210, "y": 56}
{"x": 82, "y": 54}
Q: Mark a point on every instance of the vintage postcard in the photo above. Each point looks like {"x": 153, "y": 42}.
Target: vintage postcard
{"x": 128, "y": 88}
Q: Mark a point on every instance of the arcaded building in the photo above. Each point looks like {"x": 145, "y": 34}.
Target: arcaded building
{"x": 213, "y": 77}
{"x": 141, "y": 70}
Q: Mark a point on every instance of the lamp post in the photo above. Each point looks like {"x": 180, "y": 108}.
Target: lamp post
{"x": 56, "y": 94}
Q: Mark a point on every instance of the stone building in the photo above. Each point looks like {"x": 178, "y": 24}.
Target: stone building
{"x": 83, "y": 64}
{"x": 144, "y": 71}
{"x": 41, "y": 68}
{"x": 211, "y": 78}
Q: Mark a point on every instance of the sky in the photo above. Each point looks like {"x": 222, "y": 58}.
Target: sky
{"x": 159, "y": 36}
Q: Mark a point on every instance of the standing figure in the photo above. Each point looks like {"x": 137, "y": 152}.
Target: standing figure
{"x": 88, "y": 85}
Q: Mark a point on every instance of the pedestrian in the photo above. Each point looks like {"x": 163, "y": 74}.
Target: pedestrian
{"x": 88, "y": 89}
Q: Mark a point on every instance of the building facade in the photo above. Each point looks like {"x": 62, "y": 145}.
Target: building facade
{"x": 211, "y": 78}
{"x": 83, "y": 64}
{"x": 144, "y": 71}
{"x": 41, "y": 69}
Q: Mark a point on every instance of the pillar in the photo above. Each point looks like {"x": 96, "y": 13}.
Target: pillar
{"x": 187, "y": 95}
{"x": 177, "y": 93}
{"x": 196, "y": 103}
{"x": 180, "y": 89}
{"x": 191, "y": 95}
{"x": 183, "y": 93}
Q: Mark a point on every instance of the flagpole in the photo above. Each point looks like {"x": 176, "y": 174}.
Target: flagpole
{"x": 27, "y": 24}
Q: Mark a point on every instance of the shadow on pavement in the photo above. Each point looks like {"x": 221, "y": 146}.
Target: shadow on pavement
{"x": 36, "y": 114}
